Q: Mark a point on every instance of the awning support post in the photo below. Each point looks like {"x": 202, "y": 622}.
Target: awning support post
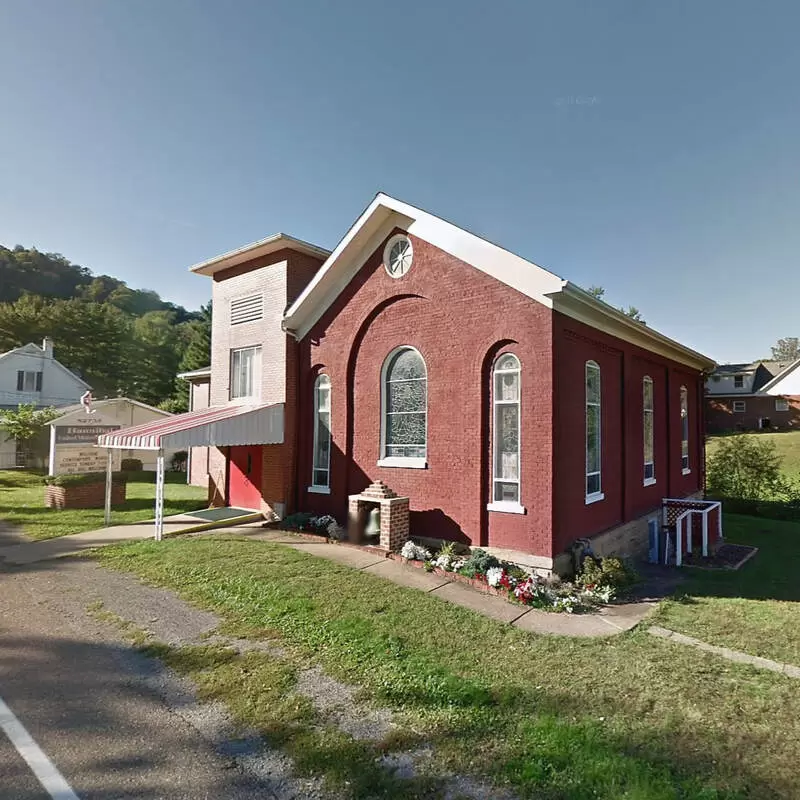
{"x": 109, "y": 480}
{"x": 159, "y": 495}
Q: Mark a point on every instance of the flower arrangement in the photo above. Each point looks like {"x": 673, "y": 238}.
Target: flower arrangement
{"x": 415, "y": 552}
{"x": 598, "y": 584}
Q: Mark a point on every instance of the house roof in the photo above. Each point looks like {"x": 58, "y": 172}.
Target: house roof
{"x": 386, "y": 213}
{"x": 220, "y": 426}
{"x": 67, "y": 410}
{"x": 735, "y": 369}
{"x": 32, "y": 349}
{"x": 263, "y": 247}
{"x": 778, "y": 371}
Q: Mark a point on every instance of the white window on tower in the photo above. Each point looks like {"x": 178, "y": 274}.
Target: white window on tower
{"x": 781, "y": 404}
{"x": 738, "y": 381}
{"x": 594, "y": 437}
{"x": 321, "y": 468}
{"x": 739, "y": 406}
{"x": 245, "y": 373}
{"x": 506, "y": 397}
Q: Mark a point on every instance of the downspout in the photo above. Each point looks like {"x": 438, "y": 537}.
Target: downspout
{"x": 293, "y": 490}
{"x": 703, "y": 427}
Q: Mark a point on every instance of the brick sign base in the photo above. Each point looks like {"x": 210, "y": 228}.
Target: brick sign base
{"x": 90, "y": 495}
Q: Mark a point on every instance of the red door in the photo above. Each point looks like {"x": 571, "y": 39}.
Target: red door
{"x": 244, "y": 478}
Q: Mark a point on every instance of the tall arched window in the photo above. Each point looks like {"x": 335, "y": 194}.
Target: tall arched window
{"x": 505, "y": 433}
{"x": 404, "y": 429}
{"x": 685, "y": 430}
{"x": 648, "y": 431}
{"x": 321, "y": 468}
{"x": 593, "y": 433}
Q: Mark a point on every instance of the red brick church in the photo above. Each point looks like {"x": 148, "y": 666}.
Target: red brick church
{"x": 512, "y": 408}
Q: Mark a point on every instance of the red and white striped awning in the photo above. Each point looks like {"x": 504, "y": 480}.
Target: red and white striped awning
{"x": 220, "y": 426}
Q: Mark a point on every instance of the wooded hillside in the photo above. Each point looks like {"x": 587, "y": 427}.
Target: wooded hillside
{"x": 122, "y": 341}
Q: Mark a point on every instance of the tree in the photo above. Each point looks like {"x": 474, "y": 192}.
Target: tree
{"x": 634, "y": 314}
{"x": 27, "y": 422}
{"x": 196, "y": 356}
{"x": 598, "y": 292}
{"x": 747, "y": 468}
{"x": 787, "y": 349}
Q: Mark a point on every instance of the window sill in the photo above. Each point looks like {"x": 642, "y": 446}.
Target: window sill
{"x": 400, "y": 461}
{"x": 506, "y": 507}
{"x": 319, "y": 489}
{"x": 594, "y": 498}
{"x": 649, "y": 482}
{"x": 686, "y": 471}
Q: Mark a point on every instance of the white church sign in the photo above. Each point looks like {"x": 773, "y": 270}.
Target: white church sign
{"x": 73, "y": 440}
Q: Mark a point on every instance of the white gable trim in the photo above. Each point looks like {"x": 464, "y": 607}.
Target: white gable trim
{"x": 32, "y": 349}
{"x": 772, "y": 387}
{"x": 385, "y": 213}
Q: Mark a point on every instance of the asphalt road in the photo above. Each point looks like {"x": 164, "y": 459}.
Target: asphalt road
{"x": 93, "y": 705}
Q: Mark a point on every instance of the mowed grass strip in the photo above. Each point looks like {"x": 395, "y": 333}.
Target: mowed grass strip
{"x": 22, "y": 503}
{"x": 753, "y": 609}
{"x": 628, "y": 717}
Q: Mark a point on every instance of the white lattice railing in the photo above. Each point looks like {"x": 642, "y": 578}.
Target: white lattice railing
{"x": 680, "y": 515}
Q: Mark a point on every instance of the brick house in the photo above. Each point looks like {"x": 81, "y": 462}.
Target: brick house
{"x": 761, "y": 395}
{"x": 514, "y": 410}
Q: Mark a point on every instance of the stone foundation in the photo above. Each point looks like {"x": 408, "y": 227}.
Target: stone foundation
{"x": 630, "y": 540}
{"x": 394, "y": 530}
{"x": 90, "y": 495}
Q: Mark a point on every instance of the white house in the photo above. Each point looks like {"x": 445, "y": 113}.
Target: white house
{"x": 30, "y": 374}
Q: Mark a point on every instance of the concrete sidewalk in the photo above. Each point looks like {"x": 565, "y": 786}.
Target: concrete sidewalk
{"x": 608, "y": 621}
{"x": 29, "y": 552}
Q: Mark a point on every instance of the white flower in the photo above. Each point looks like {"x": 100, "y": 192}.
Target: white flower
{"x": 414, "y": 552}
{"x": 494, "y": 575}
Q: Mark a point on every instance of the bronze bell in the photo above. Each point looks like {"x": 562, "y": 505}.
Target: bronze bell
{"x": 374, "y": 522}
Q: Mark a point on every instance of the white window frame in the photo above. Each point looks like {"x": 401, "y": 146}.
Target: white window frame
{"x": 738, "y": 381}
{"x": 739, "y": 407}
{"x": 408, "y": 462}
{"x": 256, "y": 376}
{"x": 29, "y": 386}
{"x": 593, "y": 497}
{"x": 685, "y": 431}
{"x": 781, "y": 404}
{"x": 321, "y": 488}
{"x": 506, "y": 506}
{"x": 387, "y": 252}
{"x": 649, "y": 480}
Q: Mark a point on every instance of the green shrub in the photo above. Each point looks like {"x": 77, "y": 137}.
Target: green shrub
{"x": 748, "y": 468}
{"x": 613, "y": 573}
{"x": 83, "y": 478}
{"x": 478, "y": 562}
{"x": 131, "y": 465}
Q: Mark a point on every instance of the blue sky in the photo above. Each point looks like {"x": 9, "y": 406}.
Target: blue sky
{"x": 648, "y": 147}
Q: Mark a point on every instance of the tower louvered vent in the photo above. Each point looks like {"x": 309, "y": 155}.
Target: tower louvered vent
{"x": 247, "y": 309}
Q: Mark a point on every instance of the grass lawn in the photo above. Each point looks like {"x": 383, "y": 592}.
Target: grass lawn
{"x": 787, "y": 445}
{"x": 22, "y": 504}
{"x": 754, "y": 609}
{"x": 630, "y": 717}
